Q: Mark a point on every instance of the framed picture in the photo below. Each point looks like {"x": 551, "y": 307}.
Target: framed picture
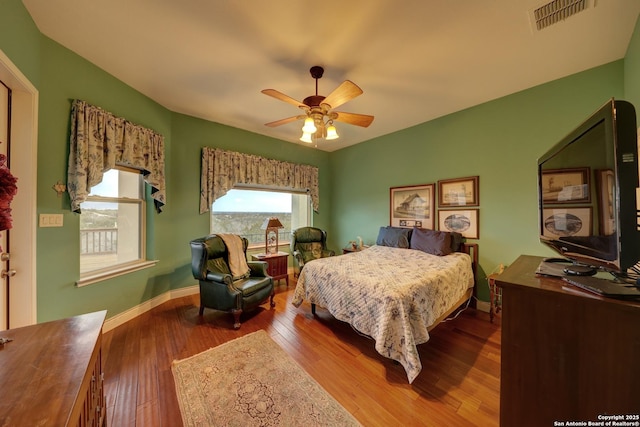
{"x": 604, "y": 190}
{"x": 458, "y": 192}
{"x": 462, "y": 221}
{"x": 565, "y": 222}
{"x": 566, "y": 185}
{"x": 412, "y": 206}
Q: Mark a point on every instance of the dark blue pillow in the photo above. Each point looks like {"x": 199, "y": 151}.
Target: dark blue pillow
{"x": 395, "y": 237}
{"x": 431, "y": 241}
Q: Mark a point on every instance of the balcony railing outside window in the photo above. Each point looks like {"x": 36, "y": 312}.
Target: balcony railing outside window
{"x": 103, "y": 241}
{"x": 98, "y": 241}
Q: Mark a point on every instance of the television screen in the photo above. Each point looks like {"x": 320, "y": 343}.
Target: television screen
{"x": 587, "y": 191}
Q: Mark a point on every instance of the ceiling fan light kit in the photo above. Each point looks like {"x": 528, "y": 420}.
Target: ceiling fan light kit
{"x": 332, "y": 132}
{"x": 319, "y": 114}
{"x": 306, "y": 137}
{"x": 309, "y": 126}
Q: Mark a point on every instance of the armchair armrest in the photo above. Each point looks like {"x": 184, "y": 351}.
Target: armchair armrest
{"x": 213, "y": 276}
{"x": 258, "y": 268}
{"x": 328, "y": 252}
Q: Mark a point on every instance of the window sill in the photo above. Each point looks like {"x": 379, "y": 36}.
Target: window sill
{"x": 115, "y": 272}
{"x": 252, "y": 247}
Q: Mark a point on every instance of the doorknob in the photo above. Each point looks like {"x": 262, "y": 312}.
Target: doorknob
{"x": 4, "y": 256}
{"x": 7, "y": 273}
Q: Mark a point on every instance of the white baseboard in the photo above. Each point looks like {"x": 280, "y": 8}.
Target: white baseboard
{"x": 483, "y": 306}
{"x": 133, "y": 312}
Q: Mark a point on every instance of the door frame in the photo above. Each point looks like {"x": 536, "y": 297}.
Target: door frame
{"x": 24, "y": 162}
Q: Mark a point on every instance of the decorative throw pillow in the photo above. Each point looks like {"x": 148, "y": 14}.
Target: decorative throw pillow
{"x": 395, "y": 237}
{"x": 431, "y": 241}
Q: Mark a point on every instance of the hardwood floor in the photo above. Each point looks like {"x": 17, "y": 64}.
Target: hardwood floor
{"x": 459, "y": 383}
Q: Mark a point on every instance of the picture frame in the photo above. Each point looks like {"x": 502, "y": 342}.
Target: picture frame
{"x": 569, "y": 185}
{"x": 459, "y": 192}
{"x": 463, "y": 221}
{"x": 412, "y": 206}
{"x": 565, "y": 222}
{"x": 604, "y": 191}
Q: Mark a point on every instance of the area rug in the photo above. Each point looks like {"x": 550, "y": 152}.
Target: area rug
{"x": 251, "y": 381}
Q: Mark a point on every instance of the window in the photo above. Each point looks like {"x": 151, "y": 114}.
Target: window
{"x": 242, "y": 211}
{"x": 112, "y": 225}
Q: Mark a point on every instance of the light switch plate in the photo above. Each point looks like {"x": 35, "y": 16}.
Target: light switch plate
{"x": 51, "y": 220}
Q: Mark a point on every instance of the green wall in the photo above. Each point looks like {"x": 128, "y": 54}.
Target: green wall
{"x": 20, "y": 39}
{"x": 632, "y": 69}
{"x": 498, "y": 141}
{"x": 61, "y": 76}
{"x": 189, "y": 136}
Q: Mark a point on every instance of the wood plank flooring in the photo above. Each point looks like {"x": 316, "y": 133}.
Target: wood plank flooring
{"x": 459, "y": 383}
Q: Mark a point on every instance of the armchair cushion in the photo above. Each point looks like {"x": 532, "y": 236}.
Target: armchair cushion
{"x": 250, "y": 286}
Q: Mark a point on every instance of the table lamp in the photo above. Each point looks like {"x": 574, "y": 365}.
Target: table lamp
{"x": 271, "y": 226}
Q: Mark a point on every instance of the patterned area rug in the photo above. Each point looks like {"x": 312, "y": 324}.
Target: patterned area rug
{"x": 251, "y": 381}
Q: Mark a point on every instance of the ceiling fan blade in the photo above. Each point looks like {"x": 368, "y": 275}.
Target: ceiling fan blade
{"x": 363, "y": 120}
{"x": 285, "y": 121}
{"x": 282, "y": 97}
{"x": 343, "y": 93}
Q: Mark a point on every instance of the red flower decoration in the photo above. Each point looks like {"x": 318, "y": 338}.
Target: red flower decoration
{"x": 8, "y": 189}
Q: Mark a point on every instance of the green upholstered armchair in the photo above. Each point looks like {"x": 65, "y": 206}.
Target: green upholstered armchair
{"x": 307, "y": 244}
{"x": 218, "y": 288}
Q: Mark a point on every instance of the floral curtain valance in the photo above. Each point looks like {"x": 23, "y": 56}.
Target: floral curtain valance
{"x": 222, "y": 170}
{"x": 99, "y": 141}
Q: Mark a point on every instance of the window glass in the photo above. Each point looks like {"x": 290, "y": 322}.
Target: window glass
{"x": 242, "y": 212}
{"x": 111, "y": 223}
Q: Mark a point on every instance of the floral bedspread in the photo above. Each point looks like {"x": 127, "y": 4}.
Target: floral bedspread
{"x": 392, "y": 295}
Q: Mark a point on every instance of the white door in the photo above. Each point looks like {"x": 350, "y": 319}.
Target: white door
{"x": 18, "y": 137}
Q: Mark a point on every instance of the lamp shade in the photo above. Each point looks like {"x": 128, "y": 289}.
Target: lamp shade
{"x": 306, "y": 137}
{"x": 271, "y": 222}
{"x": 332, "y": 133}
{"x": 309, "y": 125}
{"x": 271, "y": 226}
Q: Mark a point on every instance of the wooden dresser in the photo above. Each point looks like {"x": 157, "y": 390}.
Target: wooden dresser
{"x": 51, "y": 373}
{"x": 567, "y": 355}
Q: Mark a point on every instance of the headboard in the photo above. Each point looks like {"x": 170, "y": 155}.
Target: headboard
{"x": 472, "y": 250}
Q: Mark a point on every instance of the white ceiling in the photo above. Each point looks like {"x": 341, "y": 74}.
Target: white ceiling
{"x": 415, "y": 60}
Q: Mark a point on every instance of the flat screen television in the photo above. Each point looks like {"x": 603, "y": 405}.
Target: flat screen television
{"x": 588, "y": 193}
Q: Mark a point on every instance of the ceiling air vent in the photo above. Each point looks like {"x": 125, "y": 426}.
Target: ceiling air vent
{"x": 556, "y": 11}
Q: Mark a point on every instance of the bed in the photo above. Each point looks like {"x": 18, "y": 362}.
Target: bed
{"x": 395, "y": 291}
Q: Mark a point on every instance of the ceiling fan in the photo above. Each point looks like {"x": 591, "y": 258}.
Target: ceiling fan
{"x": 319, "y": 111}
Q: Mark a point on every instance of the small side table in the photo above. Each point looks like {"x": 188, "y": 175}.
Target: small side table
{"x": 277, "y": 264}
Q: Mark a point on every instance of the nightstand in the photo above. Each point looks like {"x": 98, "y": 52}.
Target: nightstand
{"x": 277, "y": 264}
